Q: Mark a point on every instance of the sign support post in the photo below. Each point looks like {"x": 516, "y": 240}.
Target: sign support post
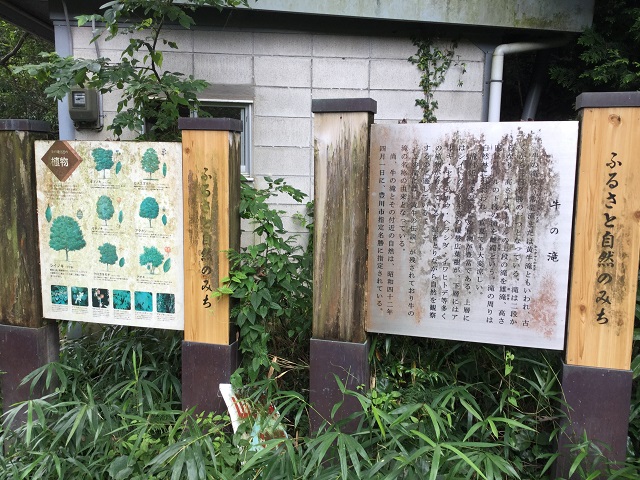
{"x": 27, "y": 340}
{"x": 211, "y": 188}
{"x": 339, "y": 345}
{"x": 597, "y": 378}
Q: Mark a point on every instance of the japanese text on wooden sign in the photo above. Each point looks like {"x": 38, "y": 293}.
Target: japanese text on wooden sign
{"x": 607, "y": 236}
{"x": 470, "y": 230}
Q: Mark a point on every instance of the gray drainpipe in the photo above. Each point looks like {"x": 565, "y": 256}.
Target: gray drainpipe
{"x": 64, "y": 48}
{"x": 497, "y": 68}
{"x": 538, "y": 82}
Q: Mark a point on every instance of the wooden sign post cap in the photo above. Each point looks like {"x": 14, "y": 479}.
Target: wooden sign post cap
{"x": 344, "y": 105}
{"x": 210, "y": 124}
{"x": 607, "y": 99}
{"x": 24, "y": 125}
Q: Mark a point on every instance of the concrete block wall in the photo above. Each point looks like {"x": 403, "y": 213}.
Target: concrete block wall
{"x": 284, "y": 71}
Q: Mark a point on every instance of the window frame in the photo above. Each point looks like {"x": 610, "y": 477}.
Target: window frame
{"x": 246, "y": 114}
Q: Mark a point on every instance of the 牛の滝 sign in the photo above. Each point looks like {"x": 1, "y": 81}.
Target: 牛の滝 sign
{"x": 470, "y": 230}
{"x": 110, "y": 221}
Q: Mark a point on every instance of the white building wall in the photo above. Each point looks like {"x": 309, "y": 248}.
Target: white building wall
{"x": 281, "y": 72}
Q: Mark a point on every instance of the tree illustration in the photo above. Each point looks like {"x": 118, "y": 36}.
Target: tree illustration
{"x": 108, "y": 254}
{"x": 103, "y": 159}
{"x": 150, "y": 162}
{"x": 151, "y": 258}
{"x": 66, "y": 235}
{"x": 104, "y": 207}
{"x": 149, "y": 208}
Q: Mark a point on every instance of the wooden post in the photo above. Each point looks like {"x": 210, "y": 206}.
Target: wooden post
{"x": 27, "y": 341}
{"x": 596, "y": 377}
{"x": 211, "y": 188}
{"x": 338, "y": 346}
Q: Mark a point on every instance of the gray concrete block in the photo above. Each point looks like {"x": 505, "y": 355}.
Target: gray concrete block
{"x": 82, "y": 39}
{"x": 227, "y": 69}
{"x": 177, "y": 63}
{"x": 392, "y": 47}
{"x": 290, "y": 44}
{"x": 282, "y": 71}
{"x": 397, "y": 105}
{"x": 322, "y": 93}
{"x": 281, "y": 161}
{"x": 206, "y": 40}
{"x": 394, "y": 75}
{"x": 110, "y": 101}
{"x": 340, "y": 73}
{"x": 464, "y": 76}
{"x": 341, "y": 46}
{"x": 281, "y": 132}
{"x": 88, "y": 53}
{"x": 459, "y": 106}
{"x": 282, "y": 102}
{"x": 468, "y": 51}
{"x": 105, "y": 134}
{"x": 247, "y": 238}
{"x": 290, "y": 217}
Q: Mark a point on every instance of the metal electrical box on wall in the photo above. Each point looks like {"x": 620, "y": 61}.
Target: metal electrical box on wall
{"x": 83, "y": 105}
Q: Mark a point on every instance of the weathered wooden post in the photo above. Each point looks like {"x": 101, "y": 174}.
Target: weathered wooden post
{"x": 339, "y": 345}
{"x": 27, "y": 341}
{"x": 596, "y": 378}
{"x": 211, "y": 186}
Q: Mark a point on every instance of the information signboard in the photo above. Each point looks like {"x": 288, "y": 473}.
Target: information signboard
{"x": 470, "y": 231}
{"x": 110, "y": 221}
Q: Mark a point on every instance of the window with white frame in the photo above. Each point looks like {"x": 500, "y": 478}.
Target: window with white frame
{"x": 239, "y": 111}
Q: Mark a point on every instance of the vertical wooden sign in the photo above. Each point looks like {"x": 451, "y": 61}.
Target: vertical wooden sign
{"x": 341, "y": 198}
{"x": 20, "y": 301}
{"x": 339, "y": 348}
{"x": 211, "y": 186}
{"x": 606, "y": 234}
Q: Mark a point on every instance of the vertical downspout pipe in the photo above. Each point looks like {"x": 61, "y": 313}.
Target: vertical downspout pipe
{"x": 64, "y": 48}
{"x": 497, "y": 69}
{"x": 538, "y": 81}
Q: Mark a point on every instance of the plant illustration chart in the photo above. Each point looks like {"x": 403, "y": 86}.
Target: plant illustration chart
{"x": 110, "y": 218}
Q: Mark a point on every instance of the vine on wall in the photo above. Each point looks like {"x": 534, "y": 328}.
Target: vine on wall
{"x": 433, "y": 62}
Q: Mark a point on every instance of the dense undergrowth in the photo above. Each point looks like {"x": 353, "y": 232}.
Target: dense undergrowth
{"x": 438, "y": 409}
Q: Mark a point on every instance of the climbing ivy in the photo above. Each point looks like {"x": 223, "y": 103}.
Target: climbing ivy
{"x": 433, "y": 62}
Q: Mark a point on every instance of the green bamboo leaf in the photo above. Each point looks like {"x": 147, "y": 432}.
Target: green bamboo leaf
{"x": 176, "y": 469}
{"x": 494, "y": 430}
{"x": 464, "y": 458}
{"x": 342, "y": 456}
{"x": 435, "y": 463}
{"x": 576, "y": 463}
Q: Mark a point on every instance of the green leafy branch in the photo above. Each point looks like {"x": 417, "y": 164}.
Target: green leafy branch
{"x": 147, "y": 90}
{"x": 434, "y": 63}
{"x": 271, "y": 281}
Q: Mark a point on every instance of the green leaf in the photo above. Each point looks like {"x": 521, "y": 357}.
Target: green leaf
{"x": 576, "y": 462}
{"x": 255, "y": 300}
{"x": 167, "y": 265}
{"x": 119, "y": 468}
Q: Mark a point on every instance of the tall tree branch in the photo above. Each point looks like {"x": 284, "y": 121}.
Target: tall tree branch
{"x": 4, "y": 61}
